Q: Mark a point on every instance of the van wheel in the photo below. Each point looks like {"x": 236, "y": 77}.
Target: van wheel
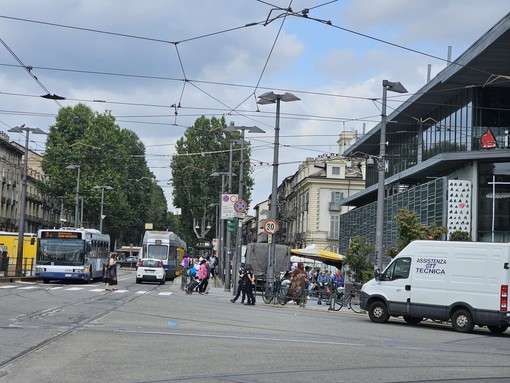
{"x": 498, "y": 329}
{"x": 162, "y": 282}
{"x": 462, "y": 321}
{"x": 378, "y": 312}
{"x": 412, "y": 320}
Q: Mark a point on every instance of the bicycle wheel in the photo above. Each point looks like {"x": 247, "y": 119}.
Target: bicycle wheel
{"x": 339, "y": 301}
{"x": 268, "y": 295}
{"x": 282, "y": 295}
{"x": 354, "y": 303}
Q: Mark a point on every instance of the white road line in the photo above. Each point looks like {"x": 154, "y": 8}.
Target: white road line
{"x": 142, "y": 292}
{"x": 28, "y": 288}
{"x": 7, "y": 287}
{"x": 165, "y": 293}
{"x": 74, "y": 288}
{"x": 120, "y": 291}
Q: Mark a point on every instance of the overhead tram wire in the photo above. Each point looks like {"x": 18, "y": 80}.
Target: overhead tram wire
{"x": 29, "y": 71}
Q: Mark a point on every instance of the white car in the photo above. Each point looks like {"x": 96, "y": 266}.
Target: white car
{"x": 150, "y": 270}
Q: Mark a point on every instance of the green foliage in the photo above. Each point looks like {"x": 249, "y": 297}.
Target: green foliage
{"x": 107, "y": 155}
{"x": 410, "y": 229}
{"x": 203, "y": 150}
{"x": 460, "y": 236}
{"x": 359, "y": 258}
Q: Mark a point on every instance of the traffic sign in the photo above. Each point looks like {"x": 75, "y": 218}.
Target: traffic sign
{"x": 240, "y": 206}
{"x": 270, "y": 226}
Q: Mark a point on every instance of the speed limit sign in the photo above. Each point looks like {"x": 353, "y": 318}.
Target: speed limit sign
{"x": 270, "y": 226}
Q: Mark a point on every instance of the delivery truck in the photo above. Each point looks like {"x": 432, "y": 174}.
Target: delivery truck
{"x": 465, "y": 283}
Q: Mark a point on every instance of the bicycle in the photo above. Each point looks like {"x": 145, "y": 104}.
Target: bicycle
{"x": 336, "y": 299}
{"x": 354, "y": 299}
{"x": 276, "y": 292}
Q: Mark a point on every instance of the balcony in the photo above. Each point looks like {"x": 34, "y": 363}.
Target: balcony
{"x": 334, "y": 206}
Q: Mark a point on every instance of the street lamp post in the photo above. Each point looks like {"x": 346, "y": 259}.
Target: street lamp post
{"x": 271, "y": 98}
{"x": 237, "y": 255}
{"x": 379, "y": 225}
{"x": 77, "y": 203}
{"x": 23, "y": 207}
{"x": 101, "y": 216}
{"x": 221, "y": 231}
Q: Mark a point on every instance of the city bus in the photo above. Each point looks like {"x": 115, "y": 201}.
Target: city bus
{"x": 71, "y": 254}
{"x": 167, "y": 247}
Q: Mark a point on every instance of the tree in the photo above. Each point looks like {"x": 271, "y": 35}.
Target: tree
{"x": 460, "y": 236}
{"x": 203, "y": 150}
{"x": 410, "y": 229}
{"x": 360, "y": 260}
{"x": 107, "y": 155}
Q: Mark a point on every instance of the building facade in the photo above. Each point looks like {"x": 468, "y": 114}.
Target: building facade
{"x": 310, "y": 200}
{"x": 448, "y": 151}
{"x": 40, "y": 211}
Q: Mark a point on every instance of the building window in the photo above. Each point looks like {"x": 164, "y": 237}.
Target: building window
{"x": 336, "y": 196}
{"x": 334, "y": 226}
{"x": 335, "y": 170}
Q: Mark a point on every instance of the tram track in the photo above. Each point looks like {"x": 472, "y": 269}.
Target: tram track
{"x": 71, "y": 327}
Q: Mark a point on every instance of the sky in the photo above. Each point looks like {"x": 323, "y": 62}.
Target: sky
{"x": 158, "y": 65}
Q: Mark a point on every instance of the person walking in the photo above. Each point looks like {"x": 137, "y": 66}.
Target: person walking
{"x": 111, "y": 273}
{"x": 240, "y": 285}
{"x": 202, "y": 277}
{"x": 249, "y": 286}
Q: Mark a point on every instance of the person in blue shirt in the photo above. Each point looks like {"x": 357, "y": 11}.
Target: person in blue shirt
{"x": 322, "y": 282}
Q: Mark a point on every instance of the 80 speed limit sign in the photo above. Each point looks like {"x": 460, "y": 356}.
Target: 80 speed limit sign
{"x": 270, "y": 226}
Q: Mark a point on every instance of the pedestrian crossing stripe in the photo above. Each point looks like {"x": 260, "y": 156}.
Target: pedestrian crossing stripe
{"x": 95, "y": 290}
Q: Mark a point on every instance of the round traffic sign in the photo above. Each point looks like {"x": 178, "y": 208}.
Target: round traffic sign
{"x": 240, "y": 206}
{"x": 270, "y": 226}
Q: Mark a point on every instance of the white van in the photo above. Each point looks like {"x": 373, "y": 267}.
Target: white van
{"x": 462, "y": 282}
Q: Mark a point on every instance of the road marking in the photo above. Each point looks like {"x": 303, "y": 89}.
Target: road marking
{"x": 120, "y": 291}
{"x": 142, "y": 292}
{"x": 7, "y": 287}
{"x": 166, "y": 293}
{"x": 74, "y": 288}
{"x": 28, "y": 288}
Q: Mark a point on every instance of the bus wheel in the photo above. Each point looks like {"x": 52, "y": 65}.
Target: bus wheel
{"x": 46, "y": 281}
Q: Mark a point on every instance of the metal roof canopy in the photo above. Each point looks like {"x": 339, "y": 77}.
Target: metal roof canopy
{"x": 486, "y": 62}
{"x": 482, "y": 62}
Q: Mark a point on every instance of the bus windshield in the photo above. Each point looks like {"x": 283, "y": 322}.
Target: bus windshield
{"x": 61, "y": 252}
{"x": 157, "y": 252}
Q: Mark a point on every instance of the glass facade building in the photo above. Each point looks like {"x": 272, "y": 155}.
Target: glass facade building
{"x": 457, "y": 127}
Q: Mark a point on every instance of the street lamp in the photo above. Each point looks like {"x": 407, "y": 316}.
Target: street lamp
{"x": 379, "y": 225}
{"x": 101, "y": 216}
{"x": 77, "y": 203}
{"x": 23, "y": 207}
{"x": 221, "y": 242}
{"x": 271, "y": 98}
{"x": 243, "y": 129}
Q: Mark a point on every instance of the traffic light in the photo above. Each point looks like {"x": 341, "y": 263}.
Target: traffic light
{"x": 231, "y": 225}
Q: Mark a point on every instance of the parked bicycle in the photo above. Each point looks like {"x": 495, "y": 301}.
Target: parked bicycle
{"x": 339, "y": 299}
{"x": 276, "y": 292}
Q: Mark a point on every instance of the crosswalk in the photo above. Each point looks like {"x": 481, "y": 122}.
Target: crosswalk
{"x": 89, "y": 288}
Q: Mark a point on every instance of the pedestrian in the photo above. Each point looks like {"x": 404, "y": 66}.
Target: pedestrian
{"x": 111, "y": 273}
{"x": 213, "y": 262}
{"x": 322, "y": 284}
{"x": 298, "y": 284}
{"x": 249, "y": 286}
{"x": 240, "y": 285}
{"x": 202, "y": 277}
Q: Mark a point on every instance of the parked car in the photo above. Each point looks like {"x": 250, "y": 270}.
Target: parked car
{"x": 150, "y": 270}
{"x": 128, "y": 262}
